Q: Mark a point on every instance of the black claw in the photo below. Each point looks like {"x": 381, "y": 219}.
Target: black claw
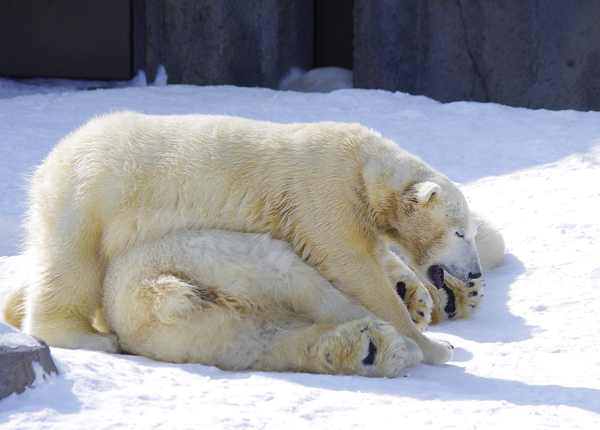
{"x": 472, "y": 293}
{"x": 421, "y": 313}
{"x": 370, "y": 358}
{"x": 470, "y": 284}
{"x": 415, "y": 321}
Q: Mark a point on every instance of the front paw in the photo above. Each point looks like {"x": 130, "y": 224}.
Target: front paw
{"x": 456, "y": 299}
{"x": 418, "y": 302}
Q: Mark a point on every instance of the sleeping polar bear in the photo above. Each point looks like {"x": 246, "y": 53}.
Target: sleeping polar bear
{"x": 337, "y": 193}
{"x": 243, "y": 301}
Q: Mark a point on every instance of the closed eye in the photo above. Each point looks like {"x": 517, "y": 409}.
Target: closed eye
{"x": 460, "y": 235}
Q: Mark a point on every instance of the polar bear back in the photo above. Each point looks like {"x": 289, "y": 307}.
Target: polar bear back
{"x": 130, "y": 177}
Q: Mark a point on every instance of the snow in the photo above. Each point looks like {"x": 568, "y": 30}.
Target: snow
{"x": 530, "y": 357}
{"x": 10, "y": 337}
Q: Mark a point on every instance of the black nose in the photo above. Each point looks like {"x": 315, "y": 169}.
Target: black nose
{"x": 474, "y": 275}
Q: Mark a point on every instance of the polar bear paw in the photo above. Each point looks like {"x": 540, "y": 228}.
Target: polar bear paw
{"x": 418, "y": 302}
{"x": 436, "y": 351}
{"x": 92, "y": 340}
{"x": 367, "y": 347}
{"x": 98, "y": 342}
{"x": 457, "y": 299}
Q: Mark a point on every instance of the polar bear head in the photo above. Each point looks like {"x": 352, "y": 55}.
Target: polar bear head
{"x": 428, "y": 217}
{"x": 439, "y": 231}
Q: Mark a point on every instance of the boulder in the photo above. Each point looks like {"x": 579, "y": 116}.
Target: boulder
{"x": 23, "y": 360}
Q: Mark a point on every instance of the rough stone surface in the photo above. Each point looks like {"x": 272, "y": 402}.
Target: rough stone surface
{"x": 516, "y": 52}
{"x": 216, "y": 42}
{"x": 18, "y": 353}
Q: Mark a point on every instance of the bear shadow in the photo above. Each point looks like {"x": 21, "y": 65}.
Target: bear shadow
{"x": 494, "y": 322}
{"x": 427, "y": 382}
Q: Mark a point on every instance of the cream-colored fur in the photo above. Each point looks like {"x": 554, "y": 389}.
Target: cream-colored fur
{"x": 243, "y": 301}
{"x": 337, "y": 193}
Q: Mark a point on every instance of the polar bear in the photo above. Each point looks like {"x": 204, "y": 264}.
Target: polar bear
{"x": 337, "y": 193}
{"x": 243, "y": 301}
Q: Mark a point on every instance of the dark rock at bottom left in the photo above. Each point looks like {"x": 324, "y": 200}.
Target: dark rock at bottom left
{"x": 23, "y": 361}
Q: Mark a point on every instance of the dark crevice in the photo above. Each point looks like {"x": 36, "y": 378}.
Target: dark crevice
{"x": 470, "y": 52}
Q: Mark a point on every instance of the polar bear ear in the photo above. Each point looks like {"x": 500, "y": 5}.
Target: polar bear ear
{"x": 427, "y": 191}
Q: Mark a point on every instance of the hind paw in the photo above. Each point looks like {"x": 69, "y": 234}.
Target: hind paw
{"x": 367, "y": 347}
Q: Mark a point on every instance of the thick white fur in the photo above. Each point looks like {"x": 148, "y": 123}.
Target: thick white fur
{"x": 489, "y": 241}
{"x": 243, "y": 301}
{"x": 337, "y": 193}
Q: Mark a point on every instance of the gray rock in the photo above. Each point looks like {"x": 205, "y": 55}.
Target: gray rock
{"x": 18, "y": 353}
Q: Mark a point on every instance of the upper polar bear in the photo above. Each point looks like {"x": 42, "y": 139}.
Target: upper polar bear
{"x": 336, "y": 192}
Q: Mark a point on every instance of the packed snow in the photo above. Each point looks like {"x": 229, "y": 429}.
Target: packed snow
{"x": 10, "y": 337}
{"x": 529, "y": 358}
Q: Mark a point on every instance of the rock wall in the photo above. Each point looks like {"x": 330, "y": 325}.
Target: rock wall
{"x": 214, "y": 42}
{"x": 529, "y": 53}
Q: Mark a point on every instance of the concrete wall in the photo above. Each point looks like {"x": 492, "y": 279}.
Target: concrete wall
{"x": 214, "y": 42}
{"x": 529, "y": 53}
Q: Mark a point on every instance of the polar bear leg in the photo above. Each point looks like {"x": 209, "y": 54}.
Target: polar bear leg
{"x": 59, "y": 308}
{"x": 14, "y": 314}
{"x": 367, "y": 347}
{"x": 410, "y": 289}
{"x": 384, "y": 302}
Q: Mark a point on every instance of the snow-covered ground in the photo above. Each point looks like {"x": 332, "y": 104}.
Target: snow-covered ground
{"x": 529, "y": 358}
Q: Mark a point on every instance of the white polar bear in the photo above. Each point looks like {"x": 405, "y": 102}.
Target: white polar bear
{"x": 243, "y": 301}
{"x": 337, "y": 193}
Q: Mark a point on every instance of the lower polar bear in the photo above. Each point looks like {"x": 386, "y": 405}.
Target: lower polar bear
{"x": 337, "y": 193}
{"x": 243, "y": 301}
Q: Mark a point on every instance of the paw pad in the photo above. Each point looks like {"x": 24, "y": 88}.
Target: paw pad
{"x": 370, "y": 358}
{"x": 401, "y": 289}
{"x": 450, "y": 308}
